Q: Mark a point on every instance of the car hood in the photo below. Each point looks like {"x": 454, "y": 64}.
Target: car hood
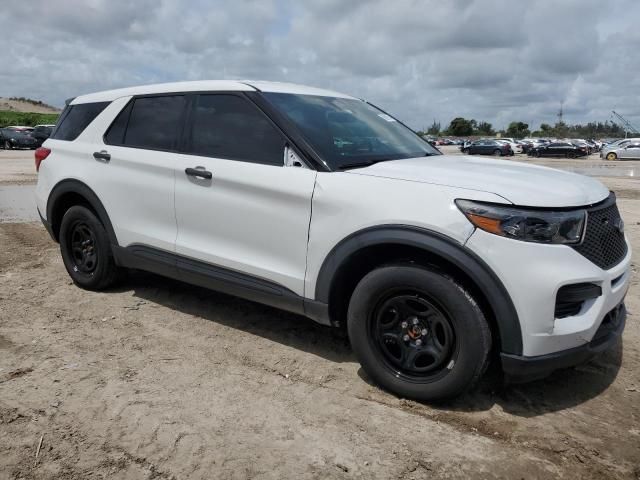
{"x": 519, "y": 183}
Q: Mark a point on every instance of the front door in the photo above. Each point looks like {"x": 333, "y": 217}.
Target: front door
{"x": 237, "y": 206}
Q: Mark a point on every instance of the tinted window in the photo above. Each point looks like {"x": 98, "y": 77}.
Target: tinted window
{"x": 155, "y": 122}
{"x": 115, "y": 134}
{"x": 228, "y": 126}
{"x": 75, "y": 119}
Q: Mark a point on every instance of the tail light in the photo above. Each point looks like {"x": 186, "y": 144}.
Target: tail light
{"x": 40, "y": 154}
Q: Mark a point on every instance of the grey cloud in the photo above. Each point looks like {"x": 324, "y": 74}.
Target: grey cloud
{"x": 494, "y": 60}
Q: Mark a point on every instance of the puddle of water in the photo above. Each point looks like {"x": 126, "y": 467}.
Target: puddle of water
{"x": 605, "y": 171}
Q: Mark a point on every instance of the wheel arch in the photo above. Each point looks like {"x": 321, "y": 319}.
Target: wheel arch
{"x": 68, "y": 193}
{"x": 362, "y": 251}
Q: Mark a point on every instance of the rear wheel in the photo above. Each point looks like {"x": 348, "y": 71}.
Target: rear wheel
{"x": 86, "y": 250}
{"x": 418, "y": 333}
{"x": 7, "y": 145}
{"x": 611, "y": 156}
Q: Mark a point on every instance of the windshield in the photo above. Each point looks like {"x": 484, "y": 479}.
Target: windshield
{"x": 348, "y": 133}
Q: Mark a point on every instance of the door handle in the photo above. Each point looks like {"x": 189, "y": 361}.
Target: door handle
{"x": 102, "y": 155}
{"x": 199, "y": 172}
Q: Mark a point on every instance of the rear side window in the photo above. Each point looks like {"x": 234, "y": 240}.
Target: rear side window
{"x": 153, "y": 122}
{"x": 76, "y": 118}
{"x": 228, "y": 126}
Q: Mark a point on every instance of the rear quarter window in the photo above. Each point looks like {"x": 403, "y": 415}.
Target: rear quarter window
{"x": 75, "y": 118}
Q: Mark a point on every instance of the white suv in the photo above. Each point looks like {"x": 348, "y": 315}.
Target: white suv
{"x": 324, "y": 205}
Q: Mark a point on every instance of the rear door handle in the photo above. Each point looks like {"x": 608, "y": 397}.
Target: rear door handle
{"x": 102, "y": 155}
{"x": 199, "y": 172}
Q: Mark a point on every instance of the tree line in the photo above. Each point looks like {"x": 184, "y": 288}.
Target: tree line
{"x": 462, "y": 127}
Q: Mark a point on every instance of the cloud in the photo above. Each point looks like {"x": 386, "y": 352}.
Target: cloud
{"x": 494, "y": 60}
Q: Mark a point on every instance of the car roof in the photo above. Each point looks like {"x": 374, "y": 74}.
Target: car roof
{"x": 205, "y": 85}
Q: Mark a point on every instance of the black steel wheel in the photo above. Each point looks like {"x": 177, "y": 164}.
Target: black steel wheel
{"x": 86, "y": 249}
{"x": 413, "y": 333}
{"x": 417, "y": 332}
{"x": 82, "y": 243}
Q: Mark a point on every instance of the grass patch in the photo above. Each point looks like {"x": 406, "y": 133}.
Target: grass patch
{"x": 26, "y": 118}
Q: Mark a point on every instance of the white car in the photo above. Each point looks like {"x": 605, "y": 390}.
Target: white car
{"x": 515, "y": 146}
{"x": 322, "y": 204}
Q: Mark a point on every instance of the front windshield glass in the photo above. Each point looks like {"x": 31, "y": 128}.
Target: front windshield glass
{"x": 349, "y": 133}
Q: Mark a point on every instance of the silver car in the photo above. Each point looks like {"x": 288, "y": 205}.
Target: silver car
{"x": 615, "y": 146}
{"x": 629, "y": 151}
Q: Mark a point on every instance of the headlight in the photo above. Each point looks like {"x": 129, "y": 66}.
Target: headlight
{"x": 529, "y": 225}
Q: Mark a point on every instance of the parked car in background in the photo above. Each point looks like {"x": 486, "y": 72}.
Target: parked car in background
{"x": 515, "y": 146}
{"x": 627, "y": 152}
{"x": 41, "y": 133}
{"x": 611, "y": 147}
{"x": 558, "y": 149}
{"x": 584, "y": 145}
{"x": 16, "y": 137}
{"x": 488, "y": 147}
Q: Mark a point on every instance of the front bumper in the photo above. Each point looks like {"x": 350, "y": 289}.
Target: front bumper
{"x": 519, "y": 369}
{"x": 533, "y": 274}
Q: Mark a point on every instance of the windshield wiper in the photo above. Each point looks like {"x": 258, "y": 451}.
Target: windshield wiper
{"x": 367, "y": 163}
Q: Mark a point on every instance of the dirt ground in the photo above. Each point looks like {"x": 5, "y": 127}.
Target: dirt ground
{"x": 158, "y": 379}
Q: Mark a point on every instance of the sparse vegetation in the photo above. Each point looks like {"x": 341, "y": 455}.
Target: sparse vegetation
{"x": 26, "y": 118}
{"x": 37, "y": 103}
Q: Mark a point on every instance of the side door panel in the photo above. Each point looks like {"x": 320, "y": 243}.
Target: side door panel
{"x": 136, "y": 186}
{"x": 253, "y": 215}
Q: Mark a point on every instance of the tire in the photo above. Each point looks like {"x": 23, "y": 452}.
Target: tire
{"x": 536, "y": 154}
{"x": 7, "y": 145}
{"x": 497, "y": 152}
{"x": 571, "y": 155}
{"x": 447, "y": 320}
{"x": 86, "y": 250}
{"x": 611, "y": 156}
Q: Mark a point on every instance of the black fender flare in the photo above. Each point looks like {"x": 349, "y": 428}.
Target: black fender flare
{"x": 77, "y": 187}
{"x": 474, "y": 267}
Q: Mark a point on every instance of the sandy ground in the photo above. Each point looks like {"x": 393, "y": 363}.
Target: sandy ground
{"x": 158, "y": 379}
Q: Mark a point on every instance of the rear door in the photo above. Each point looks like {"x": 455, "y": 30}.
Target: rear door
{"x": 138, "y": 177}
{"x": 238, "y": 207}
{"x": 632, "y": 150}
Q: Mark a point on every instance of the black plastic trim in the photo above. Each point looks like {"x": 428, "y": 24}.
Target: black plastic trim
{"x": 519, "y": 369}
{"x": 217, "y": 278}
{"x": 47, "y": 226}
{"x": 77, "y": 187}
{"x": 442, "y": 246}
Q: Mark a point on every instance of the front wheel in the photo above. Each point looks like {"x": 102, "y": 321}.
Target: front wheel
{"x": 497, "y": 152}
{"x": 418, "y": 333}
{"x": 7, "y": 145}
{"x": 86, "y": 250}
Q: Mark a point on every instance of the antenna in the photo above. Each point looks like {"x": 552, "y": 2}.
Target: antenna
{"x": 560, "y": 114}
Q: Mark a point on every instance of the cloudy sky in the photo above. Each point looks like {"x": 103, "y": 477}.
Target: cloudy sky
{"x": 494, "y": 60}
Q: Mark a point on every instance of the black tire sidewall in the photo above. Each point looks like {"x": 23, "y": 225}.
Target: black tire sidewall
{"x": 471, "y": 330}
{"x": 104, "y": 272}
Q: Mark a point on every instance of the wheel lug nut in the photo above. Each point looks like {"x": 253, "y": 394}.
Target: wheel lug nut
{"x": 404, "y": 324}
{"x": 418, "y": 342}
{"x": 424, "y": 331}
{"x": 406, "y": 338}
{"x": 415, "y": 321}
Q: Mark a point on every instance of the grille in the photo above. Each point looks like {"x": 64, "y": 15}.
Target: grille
{"x": 603, "y": 243}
